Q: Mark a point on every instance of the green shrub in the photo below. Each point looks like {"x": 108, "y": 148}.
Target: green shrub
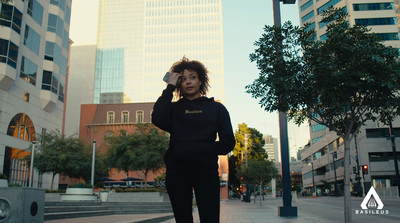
{"x": 56, "y": 191}
{"x": 122, "y": 190}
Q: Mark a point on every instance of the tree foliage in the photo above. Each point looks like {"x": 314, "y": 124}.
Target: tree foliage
{"x": 257, "y": 172}
{"x": 255, "y": 150}
{"x": 58, "y": 154}
{"x": 255, "y": 144}
{"x": 341, "y": 82}
{"x": 142, "y": 150}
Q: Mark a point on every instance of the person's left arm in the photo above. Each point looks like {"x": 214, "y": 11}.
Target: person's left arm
{"x": 226, "y": 141}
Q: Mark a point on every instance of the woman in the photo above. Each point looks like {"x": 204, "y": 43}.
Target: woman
{"x": 192, "y": 158}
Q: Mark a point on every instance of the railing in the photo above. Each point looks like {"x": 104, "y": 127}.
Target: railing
{"x": 387, "y": 192}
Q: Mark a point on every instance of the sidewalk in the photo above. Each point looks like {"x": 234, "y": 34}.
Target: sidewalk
{"x": 231, "y": 211}
{"x": 236, "y": 211}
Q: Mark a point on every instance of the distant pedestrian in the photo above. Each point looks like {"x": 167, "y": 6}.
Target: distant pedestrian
{"x": 194, "y": 122}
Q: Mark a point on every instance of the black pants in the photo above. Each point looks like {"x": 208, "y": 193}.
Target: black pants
{"x": 207, "y": 192}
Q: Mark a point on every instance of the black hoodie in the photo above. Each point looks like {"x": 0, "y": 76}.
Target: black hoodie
{"x": 193, "y": 125}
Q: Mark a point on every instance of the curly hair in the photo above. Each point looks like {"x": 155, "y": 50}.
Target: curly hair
{"x": 202, "y": 72}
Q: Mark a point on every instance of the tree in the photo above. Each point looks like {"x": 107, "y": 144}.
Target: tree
{"x": 341, "y": 83}
{"x": 257, "y": 172}
{"x": 255, "y": 150}
{"x": 142, "y": 150}
{"x": 150, "y": 150}
{"x": 120, "y": 153}
{"x": 255, "y": 144}
{"x": 326, "y": 186}
{"x": 57, "y": 154}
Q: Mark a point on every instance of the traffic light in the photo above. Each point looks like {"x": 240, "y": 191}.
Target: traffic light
{"x": 354, "y": 170}
{"x": 365, "y": 169}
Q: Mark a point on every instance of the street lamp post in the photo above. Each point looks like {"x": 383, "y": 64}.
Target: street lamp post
{"x": 396, "y": 165}
{"x": 31, "y": 169}
{"x": 93, "y": 162}
{"x": 286, "y": 210}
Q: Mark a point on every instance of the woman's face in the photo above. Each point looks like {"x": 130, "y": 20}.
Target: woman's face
{"x": 190, "y": 84}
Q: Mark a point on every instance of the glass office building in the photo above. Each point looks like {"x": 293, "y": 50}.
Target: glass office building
{"x": 139, "y": 40}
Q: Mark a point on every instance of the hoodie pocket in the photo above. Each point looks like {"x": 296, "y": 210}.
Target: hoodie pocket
{"x": 193, "y": 153}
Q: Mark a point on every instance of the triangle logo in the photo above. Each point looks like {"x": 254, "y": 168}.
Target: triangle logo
{"x": 372, "y": 200}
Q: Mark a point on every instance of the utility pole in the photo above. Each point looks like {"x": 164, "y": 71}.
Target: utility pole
{"x": 246, "y": 138}
{"x": 334, "y": 155}
{"x": 396, "y": 165}
{"x": 358, "y": 177}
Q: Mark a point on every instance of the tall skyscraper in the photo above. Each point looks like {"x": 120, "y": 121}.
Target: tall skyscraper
{"x": 80, "y": 85}
{"x": 34, "y": 42}
{"x": 139, "y": 40}
{"x": 271, "y": 147}
{"x": 324, "y": 157}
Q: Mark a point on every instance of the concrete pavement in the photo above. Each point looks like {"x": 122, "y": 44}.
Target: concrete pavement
{"x": 321, "y": 210}
{"x": 231, "y": 211}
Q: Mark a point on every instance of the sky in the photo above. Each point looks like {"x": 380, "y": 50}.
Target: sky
{"x": 243, "y": 23}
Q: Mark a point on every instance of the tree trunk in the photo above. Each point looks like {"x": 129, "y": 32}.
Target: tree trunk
{"x": 52, "y": 181}
{"x": 347, "y": 201}
{"x": 255, "y": 187}
{"x": 145, "y": 179}
{"x": 261, "y": 192}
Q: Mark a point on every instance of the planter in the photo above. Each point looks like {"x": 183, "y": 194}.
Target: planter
{"x": 3, "y": 183}
{"x": 79, "y": 194}
{"x": 104, "y": 196}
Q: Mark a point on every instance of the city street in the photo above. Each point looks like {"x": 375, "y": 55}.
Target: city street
{"x": 321, "y": 210}
{"x": 331, "y": 209}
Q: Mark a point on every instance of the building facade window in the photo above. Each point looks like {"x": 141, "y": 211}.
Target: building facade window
{"x": 373, "y": 6}
{"x": 327, "y": 5}
{"x": 307, "y": 17}
{"x": 28, "y": 70}
{"x": 32, "y": 39}
{"x": 61, "y": 92}
{"x": 11, "y": 17}
{"x": 376, "y": 21}
{"x": 139, "y": 117}
{"x": 306, "y": 5}
{"x": 317, "y": 127}
{"x": 381, "y": 132}
{"x": 125, "y": 117}
{"x": 314, "y": 140}
{"x": 53, "y": 53}
{"x": 26, "y": 96}
{"x": 67, "y": 18}
{"x": 311, "y": 27}
{"x": 59, "y": 3}
{"x": 50, "y": 81}
{"x": 110, "y": 117}
{"x": 389, "y": 36}
{"x": 55, "y": 25}
{"x": 65, "y": 41}
{"x": 8, "y": 53}
{"x": 36, "y": 11}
